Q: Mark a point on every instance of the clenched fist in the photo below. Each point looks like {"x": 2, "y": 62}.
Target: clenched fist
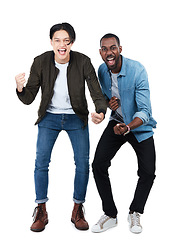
{"x": 20, "y": 80}
{"x": 120, "y": 128}
{"x": 114, "y": 103}
{"x": 97, "y": 117}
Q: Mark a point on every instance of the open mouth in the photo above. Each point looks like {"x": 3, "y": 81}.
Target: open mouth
{"x": 62, "y": 51}
{"x": 111, "y": 60}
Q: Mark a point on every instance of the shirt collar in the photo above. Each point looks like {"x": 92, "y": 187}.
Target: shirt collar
{"x": 123, "y": 68}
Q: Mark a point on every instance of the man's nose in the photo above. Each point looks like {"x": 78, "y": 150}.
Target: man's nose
{"x": 62, "y": 44}
{"x": 109, "y": 51}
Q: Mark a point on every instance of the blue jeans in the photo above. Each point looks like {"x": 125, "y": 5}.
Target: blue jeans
{"x": 48, "y": 131}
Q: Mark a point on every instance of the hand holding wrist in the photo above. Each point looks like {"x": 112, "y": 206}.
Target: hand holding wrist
{"x": 128, "y": 130}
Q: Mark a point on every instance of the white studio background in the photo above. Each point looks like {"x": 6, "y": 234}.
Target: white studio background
{"x": 144, "y": 31}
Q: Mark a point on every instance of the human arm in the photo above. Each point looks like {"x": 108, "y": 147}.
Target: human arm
{"x": 122, "y": 128}
{"x": 142, "y": 97}
{"x": 96, "y": 93}
{"x": 28, "y": 93}
{"x": 139, "y": 107}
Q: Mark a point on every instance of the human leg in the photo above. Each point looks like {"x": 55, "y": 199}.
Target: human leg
{"x": 146, "y": 171}
{"x": 107, "y": 147}
{"x": 45, "y": 142}
{"x": 80, "y": 143}
{"x": 79, "y": 138}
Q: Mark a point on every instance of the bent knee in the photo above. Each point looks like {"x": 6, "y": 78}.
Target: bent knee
{"x": 100, "y": 166}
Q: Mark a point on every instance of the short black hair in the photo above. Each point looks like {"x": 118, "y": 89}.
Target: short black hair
{"x": 110, "y": 35}
{"x": 63, "y": 26}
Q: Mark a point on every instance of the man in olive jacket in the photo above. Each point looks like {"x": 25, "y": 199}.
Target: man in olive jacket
{"x": 61, "y": 74}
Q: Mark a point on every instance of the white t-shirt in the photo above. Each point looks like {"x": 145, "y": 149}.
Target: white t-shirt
{"x": 60, "y": 102}
{"x": 117, "y": 115}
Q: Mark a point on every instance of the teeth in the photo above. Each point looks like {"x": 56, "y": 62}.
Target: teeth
{"x": 110, "y": 59}
{"x": 62, "y": 49}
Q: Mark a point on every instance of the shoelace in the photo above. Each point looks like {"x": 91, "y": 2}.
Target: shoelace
{"x": 80, "y": 212}
{"x": 102, "y": 220}
{"x": 38, "y": 211}
{"x": 135, "y": 219}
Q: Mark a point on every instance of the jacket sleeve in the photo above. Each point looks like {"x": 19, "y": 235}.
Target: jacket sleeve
{"x": 142, "y": 97}
{"x": 31, "y": 89}
{"x": 101, "y": 83}
{"x": 94, "y": 87}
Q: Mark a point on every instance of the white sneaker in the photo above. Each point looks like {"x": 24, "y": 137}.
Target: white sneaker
{"x": 104, "y": 224}
{"x": 134, "y": 222}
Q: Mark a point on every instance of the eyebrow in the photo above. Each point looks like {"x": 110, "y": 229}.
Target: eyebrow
{"x": 110, "y": 46}
{"x": 63, "y": 38}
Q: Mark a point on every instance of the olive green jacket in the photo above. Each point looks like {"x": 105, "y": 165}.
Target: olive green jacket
{"x": 43, "y": 75}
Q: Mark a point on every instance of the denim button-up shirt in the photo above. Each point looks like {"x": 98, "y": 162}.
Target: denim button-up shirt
{"x": 134, "y": 93}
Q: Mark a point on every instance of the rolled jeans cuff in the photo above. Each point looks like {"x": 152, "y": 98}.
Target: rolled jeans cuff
{"x": 42, "y": 200}
{"x": 78, "y": 201}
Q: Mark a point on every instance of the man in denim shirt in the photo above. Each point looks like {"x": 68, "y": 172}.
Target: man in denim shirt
{"x": 125, "y": 85}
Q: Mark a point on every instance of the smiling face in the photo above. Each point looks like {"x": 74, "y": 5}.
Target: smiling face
{"x": 61, "y": 46}
{"x": 110, "y": 53}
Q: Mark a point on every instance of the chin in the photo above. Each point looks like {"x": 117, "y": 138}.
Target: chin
{"x": 111, "y": 67}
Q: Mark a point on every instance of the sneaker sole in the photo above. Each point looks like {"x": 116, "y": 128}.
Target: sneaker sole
{"x": 103, "y": 229}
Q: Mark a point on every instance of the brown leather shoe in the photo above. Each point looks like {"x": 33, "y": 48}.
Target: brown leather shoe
{"x": 78, "y": 217}
{"x": 40, "y": 218}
